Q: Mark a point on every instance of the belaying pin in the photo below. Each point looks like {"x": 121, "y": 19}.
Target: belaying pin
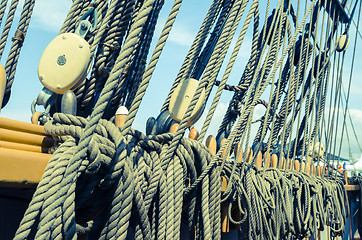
{"x": 174, "y": 128}
{"x": 238, "y": 158}
{"x": 211, "y": 144}
{"x": 121, "y": 116}
{"x": 69, "y": 103}
{"x": 194, "y": 134}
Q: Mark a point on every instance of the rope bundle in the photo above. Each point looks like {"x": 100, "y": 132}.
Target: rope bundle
{"x": 283, "y": 204}
{"x": 119, "y": 183}
{"x": 124, "y": 183}
{"x": 106, "y": 181}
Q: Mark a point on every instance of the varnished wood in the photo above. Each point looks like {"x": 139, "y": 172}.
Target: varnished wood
{"x": 274, "y": 161}
{"x": 238, "y": 158}
{"x": 22, "y": 126}
{"x": 296, "y": 165}
{"x": 308, "y": 164}
{"x": 302, "y": 167}
{"x": 249, "y": 155}
{"x": 23, "y": 147}
{"x": 266, "y": 160}
{"x": 121, "y": 116}
{"x": 211, "y": 144}
{"x": 25, "y": 137}
{"x": 174, "y": 128}
{"x": 224, "y": 154}
{"x": 21, "y": 168}
{"x": 259, "y": 160}
{"x": 194, "y": 134}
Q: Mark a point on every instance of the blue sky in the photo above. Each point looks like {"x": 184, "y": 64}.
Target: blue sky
{"x": 47, "y": 20}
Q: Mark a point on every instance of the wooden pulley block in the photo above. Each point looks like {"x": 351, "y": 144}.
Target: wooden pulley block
{"x": 342, "y": 43}
{"x": 316, "y": 150}
{"x": 65, "y": 63}
{"x": 163, "y": 122}
{"x": 181, "y": 99}
{"x": 2, "y": 84}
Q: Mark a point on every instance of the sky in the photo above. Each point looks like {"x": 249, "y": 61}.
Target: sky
{"x": 48, "y": 17}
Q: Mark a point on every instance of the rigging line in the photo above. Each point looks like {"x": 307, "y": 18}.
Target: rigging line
{"x": 274, "y": 98}
{"x": 317, "y": 110}
{"x": 323, "y": 91}
{"x": 195, "y": 48}
{"x": 359, "y": 33}
{"x": 350, "y": 119}
{"x": 337, "y": 108}
{"x": 320, "y": 130}
{"x": 285, "y": 51}
{"x": 335, "y": 116}
{"x": 228, "y": 71}
{"x": 298, "y": 112}
{"x": 310, "y": 97}
{"x": 349, "y": 144}
{"x": 330, "y": 29}
{"x": 349, "y": 84}
{"x": 251, "y": 98}
{"x": 332, "y": 113}
{"x": 254, "y": 60}
{"x": 258, "y": 81}
{"x": 297, "y": 86}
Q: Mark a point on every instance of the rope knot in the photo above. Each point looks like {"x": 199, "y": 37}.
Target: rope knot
{"x": 19, "y": 36}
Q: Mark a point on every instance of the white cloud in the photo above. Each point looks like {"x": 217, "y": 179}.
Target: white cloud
{"x": 356, "y": 115}
{"x": 181, "y": 35}
{"x": 49, "y": 15}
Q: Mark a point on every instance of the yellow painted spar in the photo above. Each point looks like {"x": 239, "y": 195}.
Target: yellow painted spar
{"x": 22, "y": 126}
{"x": 23, "y": 147}
{"x": 25, "y": 138}
{"x": 21, "y": 168}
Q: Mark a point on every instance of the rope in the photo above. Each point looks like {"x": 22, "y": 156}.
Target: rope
{"x": 18, "y": 39}
{"x": 104, "y": 180}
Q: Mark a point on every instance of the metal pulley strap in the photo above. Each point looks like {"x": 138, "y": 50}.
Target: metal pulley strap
{"x": 84, "y": 26}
